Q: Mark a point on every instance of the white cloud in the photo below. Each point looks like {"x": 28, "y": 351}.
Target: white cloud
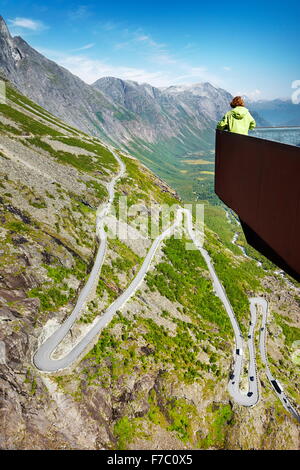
{"x": 138, "y": 39}
{"x": 160, "y": 68}
{"x": 142, "y": 38}
{"x": 164, "y": 59}
{"x": 253, "y": 95}
{"x": 109, "y": 25}
{"x": 27, "y": 23}
{"x": 172, "y": 70}
{"x": 149, "y": 41}
{"x": 90, "y": 70}
{"x": 84, "y": 48}
{"x": 227, "y": 69}
{"x": 193, "y": 74}
{"x": 296, "y": 93}
{"x": 122, "y": 45}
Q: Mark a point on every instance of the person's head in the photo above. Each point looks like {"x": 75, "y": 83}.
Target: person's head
{"x": 237, "y": 101}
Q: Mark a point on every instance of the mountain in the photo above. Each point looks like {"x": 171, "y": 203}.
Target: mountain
{"x": 52, "y": 86}
{"x": 165, "y": 128}
{"x": 156, "y": 377}
{"x": 171, "y": 129}
{"x": 200, "y": 101}
{"x": 202, "y": 98}
{"x": 278, "y": 112}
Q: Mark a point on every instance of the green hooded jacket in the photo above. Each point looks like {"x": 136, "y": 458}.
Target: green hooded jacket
{"x": 237, "y": 120}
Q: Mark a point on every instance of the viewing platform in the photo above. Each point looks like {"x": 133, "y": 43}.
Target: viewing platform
{"x": 259, "y": 180}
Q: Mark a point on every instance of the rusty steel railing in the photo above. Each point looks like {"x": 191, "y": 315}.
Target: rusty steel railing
{"x": 260, "y": 180}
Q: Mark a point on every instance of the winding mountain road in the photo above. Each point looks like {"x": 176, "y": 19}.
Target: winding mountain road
{"x": 42, "y": 358}
{"x": 263, "y": 352}
{"x": 256, "y": 302}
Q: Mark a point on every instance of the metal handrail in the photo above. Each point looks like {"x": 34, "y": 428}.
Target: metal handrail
{"x": 276, "y": 127}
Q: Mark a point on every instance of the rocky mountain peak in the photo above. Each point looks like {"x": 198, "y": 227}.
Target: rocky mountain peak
{"x": 4, "y": 31}
{"x": 10, "y": 54}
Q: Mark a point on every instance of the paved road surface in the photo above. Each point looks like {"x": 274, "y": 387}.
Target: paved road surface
{"x": 277, "y": 387}
{"x": 42, "y": 358}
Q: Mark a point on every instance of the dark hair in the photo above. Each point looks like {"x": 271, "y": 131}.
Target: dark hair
{"x": 237, "y": 101}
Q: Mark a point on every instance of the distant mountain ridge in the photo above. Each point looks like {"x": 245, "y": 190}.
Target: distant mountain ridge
{"x": 278, "y": 112}
{"x": 158, "y": 125}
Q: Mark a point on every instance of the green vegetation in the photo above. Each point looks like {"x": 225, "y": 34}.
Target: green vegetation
{"x": 165, "y": 158}
{"x": 187, "y": 345}
{"x": 125, "y": 430}
{"x": 216, "y": 220}
{"x": 89, "y": 316}
{"x": 252, "y": 253}
{"x": 124, "y": 115}
{"x": 28, "y": 125}
{"x": 179, "y": 275}
{"x": 80, "y": 268}
{"x": 221, "y": 420}
{"x": 175, "y": 414}
{"x": 290, "y": 332}
{"x": 139, "y": 183}
{"x": 58, "y": 273}
{"x": 85, "y": 163}
{"x": 17, "y": 226}
{"x": 31, "y": 380}
{"x": 56, "y": 293}
{"x": 127, "y": 257}
{"x": 124, "y": 263}
{"x": 80, "y": 162}
{"x": 10, "y": 129}
{"x": 39, "y": 204}
{"x": 204, "y": 187}
{"x": 99, "y": 189}
{"x": 109, "y": 282}
{"x": 22, "y": 100}
{"x": 180, "y": 349}
{"x": 37, "y": 110}
{"x": 109, "y": 359}
{"x": 239, "y": 278}
{"x": 107, "y": 158}
{"x": 50, "y": 298}
{"x": 155, "y": 414}
{"x": 182, "y": 415}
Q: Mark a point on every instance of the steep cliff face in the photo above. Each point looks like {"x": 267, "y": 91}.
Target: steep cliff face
{"x": 50, "y": 85}
{"x": 10, "y": 54}
{"x": 203, "y": 98}
{"x": 56, "y": 89}
{"x": 157, "y": 375}
{"x": 166, "y": 112}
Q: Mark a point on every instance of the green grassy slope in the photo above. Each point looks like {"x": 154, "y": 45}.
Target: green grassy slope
{"x": 157, "y": 376}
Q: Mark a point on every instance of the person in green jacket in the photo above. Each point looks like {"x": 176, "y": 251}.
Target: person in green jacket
{"x": 238, "y": 120}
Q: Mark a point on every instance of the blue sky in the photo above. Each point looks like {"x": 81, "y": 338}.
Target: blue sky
{"x": 245, "y": 47}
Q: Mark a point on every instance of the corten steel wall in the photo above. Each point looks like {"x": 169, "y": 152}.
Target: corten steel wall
{"x": 260, "y": 181}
